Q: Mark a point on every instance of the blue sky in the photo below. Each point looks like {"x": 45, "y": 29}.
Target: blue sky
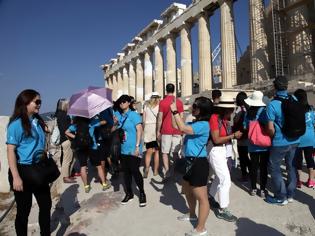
{"x": 56, "y": 47}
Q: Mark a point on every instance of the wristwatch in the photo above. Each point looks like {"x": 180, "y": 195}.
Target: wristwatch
{"x": 174, "y": 112}
{"x": 137, "y": 145}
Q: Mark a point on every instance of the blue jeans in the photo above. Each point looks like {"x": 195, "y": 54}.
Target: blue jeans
{"x": 281, "y": 191}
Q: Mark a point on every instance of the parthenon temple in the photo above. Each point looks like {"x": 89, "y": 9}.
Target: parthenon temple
{"x": 141, "y": 68}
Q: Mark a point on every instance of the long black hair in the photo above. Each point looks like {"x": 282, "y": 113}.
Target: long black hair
{"x": 301, "y": 95}
{"x": 205, "y": 107}
{"x": 252, "y": 112}
{"x": 20, "y": 111}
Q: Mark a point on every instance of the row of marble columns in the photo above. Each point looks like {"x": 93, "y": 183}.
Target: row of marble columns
{"x": 138, "y": 77}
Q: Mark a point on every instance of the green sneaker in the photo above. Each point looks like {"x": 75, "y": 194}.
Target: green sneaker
{"x": 87, "y": 188}
{"x": 225, "y": 214}
{"x": 106, "y": 185}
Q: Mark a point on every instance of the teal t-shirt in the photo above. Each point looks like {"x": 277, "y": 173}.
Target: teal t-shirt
{"x": 128, "y": 122}
{"x": 195, "y": 144}
{"x": 275, "y": 114}
{"x": 307, "y": 140}
{"x": 28, "y": 149}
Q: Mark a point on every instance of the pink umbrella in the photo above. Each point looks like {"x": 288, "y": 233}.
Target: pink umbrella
{"x": 89, "y": 102}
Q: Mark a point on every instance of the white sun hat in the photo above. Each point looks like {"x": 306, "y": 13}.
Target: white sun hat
{"x": 227, "y": 100}
{"x": 155, "y": 94}
{"x": 257, "y": 99}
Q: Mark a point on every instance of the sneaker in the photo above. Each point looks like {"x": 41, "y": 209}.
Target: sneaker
{"x": 225, "y": 214}
{"x": 196, "y": 233}
{"x": 263, "y": 193}
{"x": 127, "y": 198}
{"x": 310, "y": 183}
{"x": 213, "y": 203}
{"x": 87, "y": 188}
{"x": 290, "y": 199}
{"x": 299, "y": 184}
{"x": 106, "y": 185}
{"x": 142, "y": 200}
{"x": 145, "y": 173}
{"x": 273, "y": 200}
{"x": 187, "y": 217}
{"x": 253, "y": 192}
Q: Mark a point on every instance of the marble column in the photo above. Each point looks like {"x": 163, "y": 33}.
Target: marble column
{"x": 139, "y": 80}
{"x": 125, "y": 81}
{"x": 120, "y": 83}
{"x": 186, "y": 65}
{"x": 115, "y": 85}
{"x": 132, "y": 80}
{"x": 204, "y": 47}
{"x": 258, "y": 42}
{"x": 148, "y": 73}
{"x": 158, "y": 69}
{"x": 171, "y": 61}
{"x": 228, "y": 58}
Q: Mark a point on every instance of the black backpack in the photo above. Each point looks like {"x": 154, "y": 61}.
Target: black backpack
{"x": 83, "y": 139}
{"x": 294, "y": 117}
{"x": 104, "y": 132}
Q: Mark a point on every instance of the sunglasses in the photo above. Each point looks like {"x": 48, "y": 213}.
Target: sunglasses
{"x": 38, "y": 102}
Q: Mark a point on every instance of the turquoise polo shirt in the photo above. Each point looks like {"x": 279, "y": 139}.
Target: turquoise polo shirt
{"x": 195, "y": 144}
{"x": 307, "y": 140}
{"x": 93, "y": 124}
{"x": 132, "y": 118}
{"x": 261, "y": 116}
{"x": 27, "y": 148}
{"x": 274, "y": 114}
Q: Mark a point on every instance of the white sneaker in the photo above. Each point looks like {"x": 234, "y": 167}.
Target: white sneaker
{"x": 196, "y": 233}
{"x": 290, "y": 200}
{"x": 187, "y": 217}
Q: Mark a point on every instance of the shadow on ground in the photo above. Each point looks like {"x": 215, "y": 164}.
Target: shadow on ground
{"x": 247, "y": 227}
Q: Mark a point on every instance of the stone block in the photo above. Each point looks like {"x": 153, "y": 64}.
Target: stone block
{"x": 4, "y": 183}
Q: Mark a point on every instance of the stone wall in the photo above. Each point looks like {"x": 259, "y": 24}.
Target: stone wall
{"x": 4, "y": 184}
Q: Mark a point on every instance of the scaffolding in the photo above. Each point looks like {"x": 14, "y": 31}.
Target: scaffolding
{"x": 279, "y": 39}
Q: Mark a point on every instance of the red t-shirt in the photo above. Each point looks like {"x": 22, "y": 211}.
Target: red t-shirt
{"x": 164, "y": 106}
{"x": 214, "y": 125}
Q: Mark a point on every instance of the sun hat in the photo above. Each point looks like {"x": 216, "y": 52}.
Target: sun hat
{"x": 256, "y": 99}
{"x": 227, "y": 100}
{"x": 155, "y": 95}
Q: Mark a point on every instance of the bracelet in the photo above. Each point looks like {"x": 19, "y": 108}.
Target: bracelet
{"x": 174, "y": 112}
{"x": 137, "y": 145}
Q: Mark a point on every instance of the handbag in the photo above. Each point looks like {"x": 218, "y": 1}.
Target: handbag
{"x": 190, "y": 162}
{"x": 257, "y": 134}
{"x": 41, "y": 173}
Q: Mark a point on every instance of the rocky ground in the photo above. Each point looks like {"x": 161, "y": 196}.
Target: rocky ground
{"x": 100, "y": 213}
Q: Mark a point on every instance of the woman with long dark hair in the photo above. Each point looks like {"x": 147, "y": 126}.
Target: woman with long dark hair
{"x": 26, "y": 146}
{"x": 130, "y": 124}
{"x": 197, "y": 167}
{"x": 306, "y": 142}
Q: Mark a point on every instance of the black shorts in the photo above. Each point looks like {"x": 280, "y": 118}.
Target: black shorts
{"x": 93, "y": 155}
{"x": 153, "y": 144}
{"x": 104, "y": 150}
{"x": 199, "y": 173}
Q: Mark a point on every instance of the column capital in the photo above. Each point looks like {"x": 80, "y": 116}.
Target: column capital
{"x": 221, "y": 2}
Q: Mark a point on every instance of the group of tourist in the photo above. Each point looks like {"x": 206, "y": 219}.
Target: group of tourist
{"x": 204, "y": 139}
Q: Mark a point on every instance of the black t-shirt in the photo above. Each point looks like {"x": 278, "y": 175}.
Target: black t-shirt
{"x": 63, "y": 121}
